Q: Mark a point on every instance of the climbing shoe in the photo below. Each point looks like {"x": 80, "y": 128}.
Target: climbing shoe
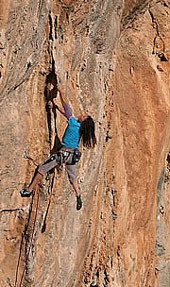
{"x": 25, "y": 193}
{"x": 79, "y": 202}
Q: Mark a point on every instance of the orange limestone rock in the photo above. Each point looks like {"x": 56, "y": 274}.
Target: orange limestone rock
{"x": 113, "y": 59}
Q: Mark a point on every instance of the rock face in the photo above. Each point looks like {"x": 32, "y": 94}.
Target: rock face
{"x": 113, "y": 58}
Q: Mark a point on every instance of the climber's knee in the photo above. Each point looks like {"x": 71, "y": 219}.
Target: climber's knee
{"x": 40, "y": 170}
{"x": 40, "y": 174}
{"x": 49, "y": 164}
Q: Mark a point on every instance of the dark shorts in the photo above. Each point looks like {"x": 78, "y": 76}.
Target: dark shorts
{"x": 58, "y": 159}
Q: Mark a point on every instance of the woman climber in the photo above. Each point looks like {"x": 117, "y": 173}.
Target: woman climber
{"x": 81, "y": 128}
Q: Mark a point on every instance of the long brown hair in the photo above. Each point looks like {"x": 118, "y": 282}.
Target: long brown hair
{"x": 87, "y": 132}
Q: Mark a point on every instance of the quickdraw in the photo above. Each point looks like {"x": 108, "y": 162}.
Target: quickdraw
{"x": 27, "y": 156}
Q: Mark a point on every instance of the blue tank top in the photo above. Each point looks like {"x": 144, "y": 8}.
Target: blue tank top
{"x": 71, "y": 136}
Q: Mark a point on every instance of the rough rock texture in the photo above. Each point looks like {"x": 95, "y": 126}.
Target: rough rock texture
{"x": 113, "y": 57}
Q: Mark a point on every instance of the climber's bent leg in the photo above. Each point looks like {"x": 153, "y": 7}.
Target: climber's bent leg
{"x": 43, "y": 168}
{"x": 28, "y": 191}
{"x": 46, "y": 166}
{"x": 36, "y": 180}
{"x": 49, "y": 164}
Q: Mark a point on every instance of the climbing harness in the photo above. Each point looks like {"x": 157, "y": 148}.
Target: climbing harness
{"x": 62, "y": 157}
{"x": 76, "y": 156}
{"x": 70, "y": 157}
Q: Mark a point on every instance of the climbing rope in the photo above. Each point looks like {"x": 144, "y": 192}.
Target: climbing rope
{"x": 21, "y": 244}
{"x": 28, "y": 157}
{"x": 52, "y": 134}
{"x": 19, "y": 258}
{"x": 31, "y": 242}
{"x": 48, "y": 205}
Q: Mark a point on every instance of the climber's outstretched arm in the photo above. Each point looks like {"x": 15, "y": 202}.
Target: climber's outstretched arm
{"x": 67, "y": 110}
{"x": 60, "y": 110}
{"x": 63, "y": 97}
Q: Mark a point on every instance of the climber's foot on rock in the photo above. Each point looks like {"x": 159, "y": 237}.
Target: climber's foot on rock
{"x": 79, "y": 202}
{"x": 25, "y": 193}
